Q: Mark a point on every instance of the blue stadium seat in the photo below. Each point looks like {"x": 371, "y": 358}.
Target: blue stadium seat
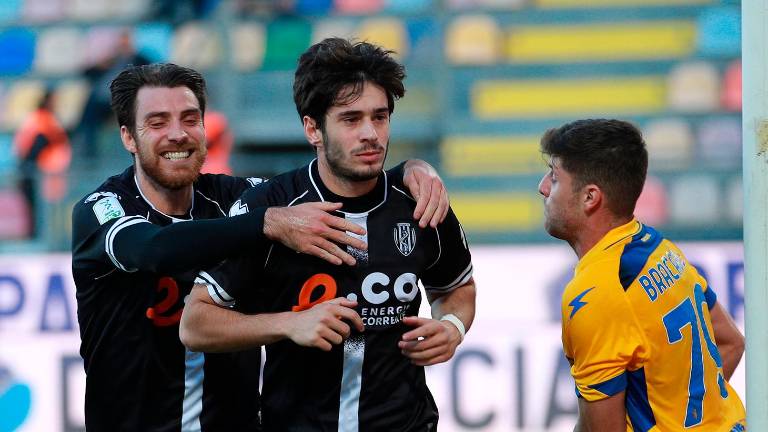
{"x": 313, "y": 7}
{"x": 720, "y": 141}
{"x": 720, "y": 31}
{"x": 18, "y": 48}
{"x": 153, "y": 40}
{"x": 407, "y": 6}
{"x": 10, "y": 11}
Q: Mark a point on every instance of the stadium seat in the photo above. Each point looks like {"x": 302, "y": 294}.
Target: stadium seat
{"x": 424, "y": 36}
{"x": 196, "y": 45}
{"x": 129, "y": 9}
{"x": 695, "y": 201}
{"x": 461, "y": 4}
{"x": 694, "y": 87}
{"x": 669, "y": 143}
{"x": 528, "y": 98}
{"x": 10, "y": 11}
{"x": 358, "y": 7}
{"x": 248, "y": 45}
{"x": 334, "y": 27}
{"x": 386, "y": 32}
{"x": 35, "y": 11}
{"x": 720, "y": 31}
{"x": 21, "y": 99}
{"x": 491, "y": 155}
{"x": 548, "y": 4}
{"x": 99, "y": 44}
{"x": 153, "y": 40}
{"x": 501, "y": 4}
{"x": 731, "y": 92}
{"x": 14, "y": 215}
{"x": 498, "y": 211}
{"x": 313, "y": 7}
{"x": 652, "y": 207}
{"x": 88, "y": 10}
{"x": 286, "y": 40}
{"x": 8, "y": 162}
{"x": 734, "y": 197}
{"x": 18, "y": 51}
{"x": 70, "y": 100}
{"x": 473, "y": 40}
{"x": 600, "y": 42}
{"x": 720, "y": 141}
{"x": 408, "y": 6}
{"x": 60, "y": 51}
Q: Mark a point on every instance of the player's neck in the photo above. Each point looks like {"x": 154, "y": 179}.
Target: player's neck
{"x": 342, "y": 186}
{"x": 165, "y": 200}
{"x": 596, "y": 227}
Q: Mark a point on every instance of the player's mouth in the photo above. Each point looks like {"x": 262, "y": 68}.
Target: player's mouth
{"x": 369, "y": 156}
{"x": 176, "y": 155}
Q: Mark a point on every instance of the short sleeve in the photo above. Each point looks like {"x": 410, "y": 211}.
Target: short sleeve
{"x": 453, "y": 265}
{"x": 602, "y": 338}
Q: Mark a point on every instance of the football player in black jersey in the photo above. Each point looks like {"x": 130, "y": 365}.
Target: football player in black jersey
{"x": 133, "y": 264}
{"x": 345, "y": 347}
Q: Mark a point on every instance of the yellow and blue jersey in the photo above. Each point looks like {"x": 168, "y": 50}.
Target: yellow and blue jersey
{"x": 636, "y": 319}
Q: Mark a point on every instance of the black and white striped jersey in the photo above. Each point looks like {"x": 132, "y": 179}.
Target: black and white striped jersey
{"x": 139, "y": 375}
{"x": 366, "y": 384}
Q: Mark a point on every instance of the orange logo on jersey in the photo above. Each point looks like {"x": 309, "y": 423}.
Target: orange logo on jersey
{"x": 155, "y": 313}
{"x": 318, "y": 281}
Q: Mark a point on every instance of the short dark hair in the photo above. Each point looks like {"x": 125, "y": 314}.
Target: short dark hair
{"x": 126, "y": 85}
{"x": 608, "y": 153}
{"x": 329, "y": 66}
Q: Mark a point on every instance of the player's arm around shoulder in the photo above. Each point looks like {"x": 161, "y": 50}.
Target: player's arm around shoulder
{"x": 211, "y": 327}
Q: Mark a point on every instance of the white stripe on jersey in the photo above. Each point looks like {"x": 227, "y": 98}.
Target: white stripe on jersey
{"x": 192, "y": 406}
{"x": 215, "y": 290}
{"x": 109, "y": 240}
{"x": 461, "y": 280}
{"x": 351, "y": 383}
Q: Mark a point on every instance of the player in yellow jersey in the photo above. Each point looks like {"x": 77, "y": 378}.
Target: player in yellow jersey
{"x": 651, "y": 349}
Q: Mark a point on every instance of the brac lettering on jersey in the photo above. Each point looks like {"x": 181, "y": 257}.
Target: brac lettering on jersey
{"x": 663, "y": 275}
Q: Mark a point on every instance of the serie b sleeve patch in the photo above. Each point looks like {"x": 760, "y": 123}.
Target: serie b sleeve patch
{"x": 107, "y": 209}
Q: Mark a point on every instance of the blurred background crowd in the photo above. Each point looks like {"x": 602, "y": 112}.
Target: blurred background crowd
{"x": 485, "y": 79}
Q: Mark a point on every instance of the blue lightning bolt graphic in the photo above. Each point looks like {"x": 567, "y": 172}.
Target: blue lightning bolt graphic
{"x": 577, "y": 304}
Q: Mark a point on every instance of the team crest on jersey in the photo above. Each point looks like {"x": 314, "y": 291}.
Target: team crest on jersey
{"x": 238, "y": 208}
{"x": 97, "y": 195}
{"x": 107, "y": 209}
{"x": 405, "y": 238}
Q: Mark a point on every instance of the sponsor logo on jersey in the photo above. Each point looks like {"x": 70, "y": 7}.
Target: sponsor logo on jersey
{"x": 238, "y": 208}
{"x": 107, "y": 209}
{"x": 96, "y": 195}
{"x": 405, "y": 238}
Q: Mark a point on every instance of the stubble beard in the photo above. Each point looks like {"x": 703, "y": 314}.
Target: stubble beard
{"x": 334, "y": 156}
{"x": 172, "y": 181}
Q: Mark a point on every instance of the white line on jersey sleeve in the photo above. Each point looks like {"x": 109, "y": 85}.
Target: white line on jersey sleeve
{"x": 215, "y": 290}
{"x": 109, "y": 241}
{"x": 459, "y": 281}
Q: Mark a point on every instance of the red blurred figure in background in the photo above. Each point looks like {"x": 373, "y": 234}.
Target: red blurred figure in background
{"x": 219, "y": 140}
{"x": 44, "y": 152}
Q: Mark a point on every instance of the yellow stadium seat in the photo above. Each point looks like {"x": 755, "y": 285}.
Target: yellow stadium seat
{"x": 21, "y": 99}
{"x": 389, "y": 33}
{"x": 69, "y": 102}
{"x": 499, "y": 211}
{"x": 601, "y": 42}
{"x": 491, "y": 155}
{"x": 196, "y": 46}
{"x": 248, "y": 45}
{"x": 694, "y": 87}
{"x": 473, "y": 40}
{"x": 612, "y": 96}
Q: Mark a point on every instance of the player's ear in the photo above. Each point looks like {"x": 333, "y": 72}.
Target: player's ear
{"x": 128, "y": 142}
{"x": 312, "y": 132}
{"x": 592, "y": 198}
